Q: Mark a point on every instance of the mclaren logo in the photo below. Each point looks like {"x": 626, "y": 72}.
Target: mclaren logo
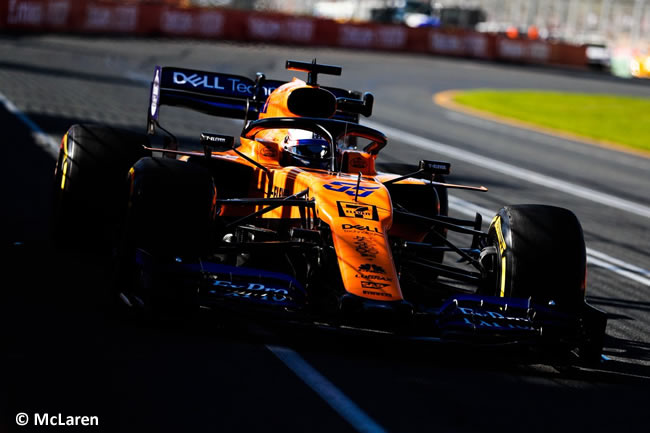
{"x": 357, "y": 210}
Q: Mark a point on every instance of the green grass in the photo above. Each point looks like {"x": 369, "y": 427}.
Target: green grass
{"x": 619, "y": 119}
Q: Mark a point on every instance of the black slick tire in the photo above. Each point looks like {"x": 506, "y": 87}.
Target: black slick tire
{"x": 89, "y": 181}
{"x": 169, "y": 219}
{"x": 540, "y": 255}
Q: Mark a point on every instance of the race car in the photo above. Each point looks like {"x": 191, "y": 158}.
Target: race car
{"x": 292, "y": 220}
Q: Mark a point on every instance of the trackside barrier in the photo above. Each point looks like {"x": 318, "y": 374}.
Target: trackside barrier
{"x": 157, "y": 19}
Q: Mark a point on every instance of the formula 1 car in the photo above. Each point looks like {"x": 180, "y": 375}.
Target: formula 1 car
{"x": 293, "y": 220}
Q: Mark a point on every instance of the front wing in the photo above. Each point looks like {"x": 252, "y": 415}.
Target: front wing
{"x": 462, "y": 318}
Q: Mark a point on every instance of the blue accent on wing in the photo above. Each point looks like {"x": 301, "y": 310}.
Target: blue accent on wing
{"x": 215, "y": 268}
{"x": 145, "y": 260}
{"x": 223, "y": 105}
{"x": 513, "y": 304}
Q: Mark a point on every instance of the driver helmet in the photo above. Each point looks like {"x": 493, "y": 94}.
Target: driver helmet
{"x": 306, "y": 149}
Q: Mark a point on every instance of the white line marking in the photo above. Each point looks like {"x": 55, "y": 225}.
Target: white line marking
{"x": 624, "y": 272}
{"x": 619, "y": 263}
{"x": 468, "y": 208}
{"x": 326, "y": 390}
{"x": 594, "y": 257}
{"x": 43, "y": 140}
{"x": 511, "y": 170}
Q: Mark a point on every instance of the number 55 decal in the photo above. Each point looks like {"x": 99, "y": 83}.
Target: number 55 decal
{"x": 350, "y": 188}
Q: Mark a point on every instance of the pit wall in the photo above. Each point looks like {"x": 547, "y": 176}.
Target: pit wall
{"x": 157, "y": 19}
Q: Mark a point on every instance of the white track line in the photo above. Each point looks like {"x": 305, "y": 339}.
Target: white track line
{"x": 594, "y": 257}
{"x": 513, "y": 171}
{"x": 619, "y": 263}
{"x": 621, "y": 271}
{"x": 333, "y": 396}
{"x": 43, "y": 140}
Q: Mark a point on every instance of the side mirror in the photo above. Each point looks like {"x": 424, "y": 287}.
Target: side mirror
{"x": 427, "y": 167}
{"x": 359, "y": 106}
{"x": 434, "y": 167}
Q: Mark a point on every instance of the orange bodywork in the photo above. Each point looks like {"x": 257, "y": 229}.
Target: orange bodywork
{"x": 359, "y": 221}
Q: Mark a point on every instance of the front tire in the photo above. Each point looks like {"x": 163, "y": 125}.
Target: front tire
{"x": 169, "y": 220}
{"x": 540, "y": 255}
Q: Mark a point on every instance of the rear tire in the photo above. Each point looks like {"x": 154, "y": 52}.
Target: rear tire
{"x": 89, "y": 179}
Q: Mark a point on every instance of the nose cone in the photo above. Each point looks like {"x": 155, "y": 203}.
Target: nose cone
{"x": 359, "y": 214}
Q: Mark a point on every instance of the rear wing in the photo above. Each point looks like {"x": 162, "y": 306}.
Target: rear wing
{"x": 233, "y": 96}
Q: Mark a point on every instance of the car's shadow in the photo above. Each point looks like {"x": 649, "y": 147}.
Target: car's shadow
{"x": 97, "y": 356}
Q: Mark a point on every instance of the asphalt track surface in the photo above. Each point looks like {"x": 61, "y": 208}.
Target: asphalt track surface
{"x": 67, "y": 352}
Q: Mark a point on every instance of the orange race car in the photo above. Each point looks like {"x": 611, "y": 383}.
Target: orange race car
{"x": 292, "y": 219}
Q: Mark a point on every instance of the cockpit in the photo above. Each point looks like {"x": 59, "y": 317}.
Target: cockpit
{"x": 316, "y": 143}
{"x": 306, "y": 149}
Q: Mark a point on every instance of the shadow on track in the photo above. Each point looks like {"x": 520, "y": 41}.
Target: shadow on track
{"x": 69, "y": 352}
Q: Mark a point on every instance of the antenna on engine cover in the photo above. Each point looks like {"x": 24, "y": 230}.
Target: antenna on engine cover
{"x": 313, "y": 69}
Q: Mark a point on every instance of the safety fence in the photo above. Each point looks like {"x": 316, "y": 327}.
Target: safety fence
{"x": 158, "y": 19}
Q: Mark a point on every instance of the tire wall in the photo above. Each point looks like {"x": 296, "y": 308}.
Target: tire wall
{"x": 158, "y": 19}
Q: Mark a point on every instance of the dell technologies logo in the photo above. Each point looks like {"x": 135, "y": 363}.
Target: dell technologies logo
{"x": 230, "y": 84}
